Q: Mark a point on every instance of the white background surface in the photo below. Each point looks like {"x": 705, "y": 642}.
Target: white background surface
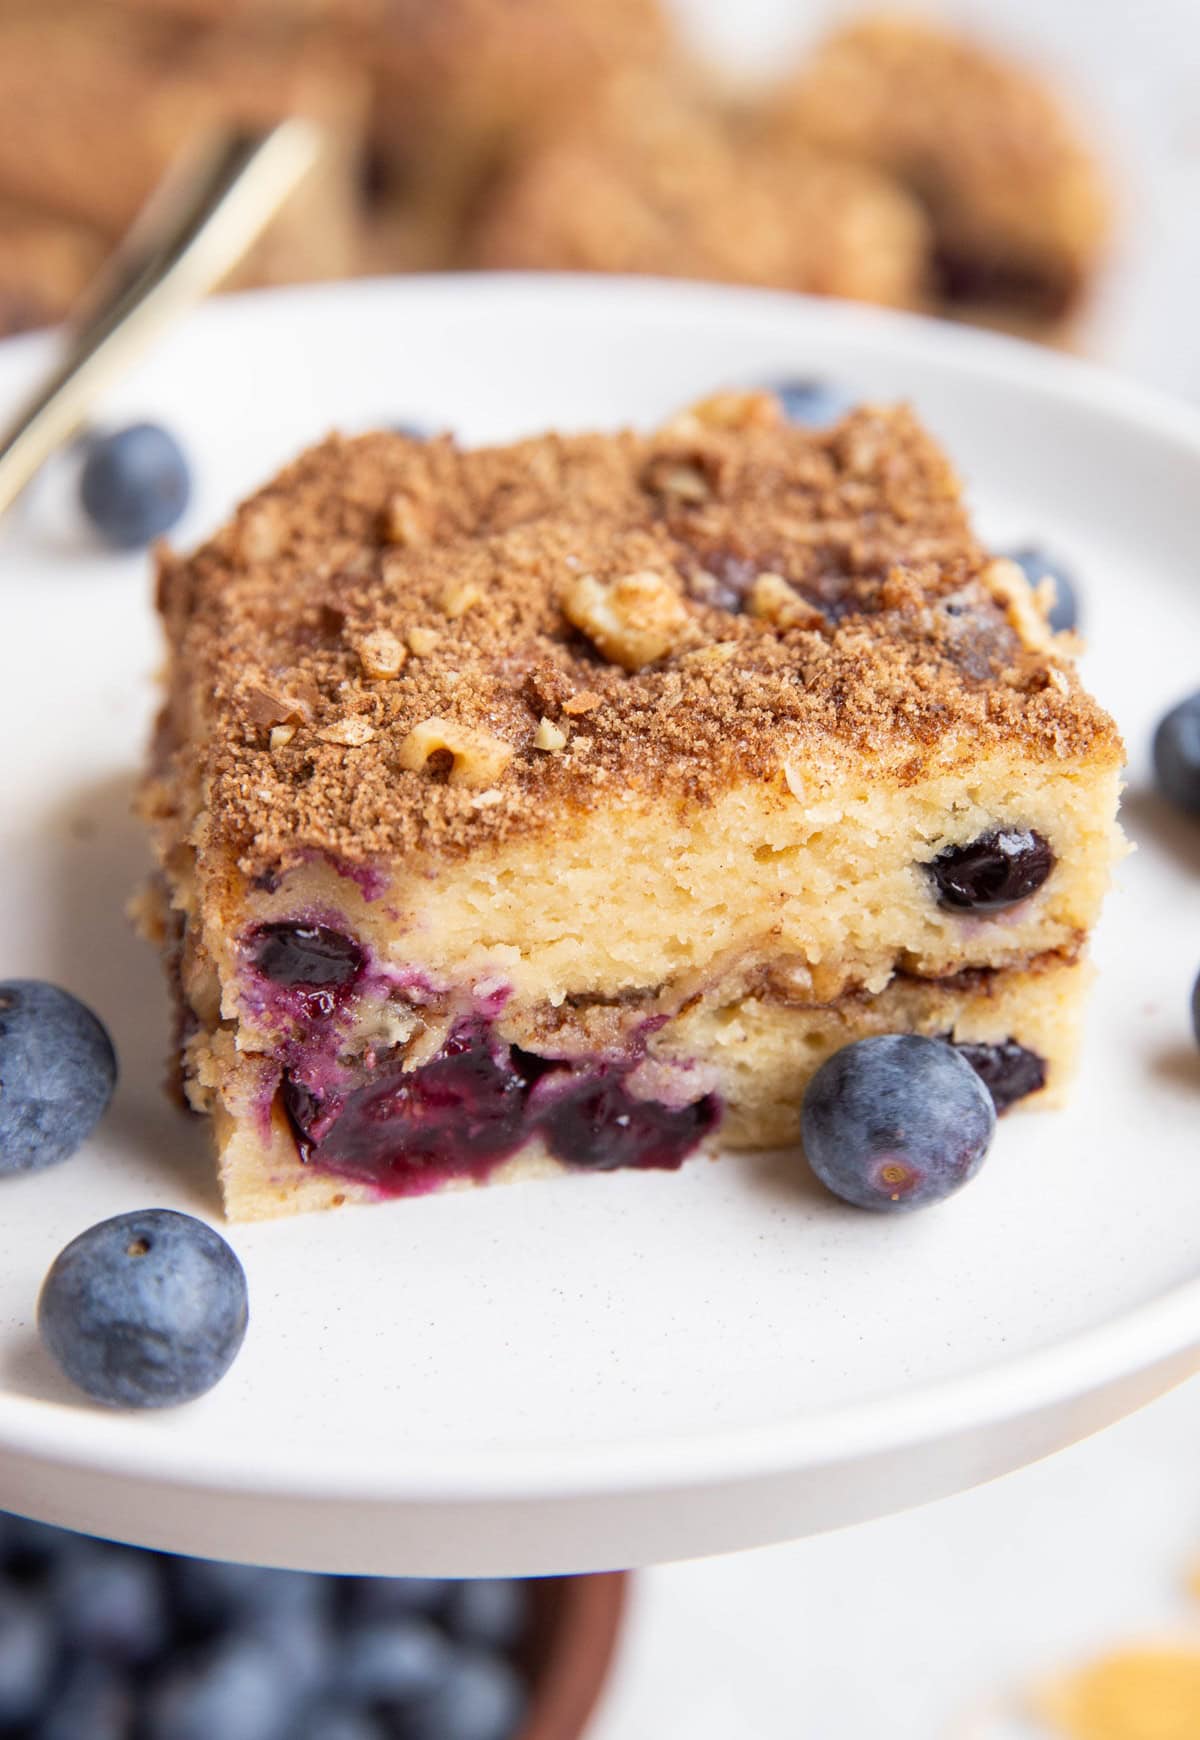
{"x": 925, "y": 1626}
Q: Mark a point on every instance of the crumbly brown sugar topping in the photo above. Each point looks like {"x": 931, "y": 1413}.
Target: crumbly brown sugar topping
{"x": 374, "y": 656}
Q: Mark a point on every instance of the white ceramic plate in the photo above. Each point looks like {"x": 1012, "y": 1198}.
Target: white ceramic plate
{"x": 608, "y": 1370}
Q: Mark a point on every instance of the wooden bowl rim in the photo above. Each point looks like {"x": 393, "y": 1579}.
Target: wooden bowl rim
{"x": 585, "y": 1632}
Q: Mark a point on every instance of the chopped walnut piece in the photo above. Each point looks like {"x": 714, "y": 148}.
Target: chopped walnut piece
{"x": 736, "y": 410}
{"x": 774, "y": 600}
{"x": 477, "y": 757}
{"x": 794, "y": 782}
{"x": 421, "y": 641}
{"x": 460, "y": 596}
{"x": 265, "y": 707}
{"x": 260, "y": 531}
{"x": 350, "y": 733}
{"x": 633, "y": 621}
{"x": 862, "y": 443}
{"x": 549, "y": 736}
{"x": 1009, "y": 587}
{"x": 680, "y": 482}
{"x": 586, "y": 701}
{"x": 281, "y": 736}
{"x": 712, "y": 656}
{"x": 405, "y": 522}
{"x": 381, "y": 655}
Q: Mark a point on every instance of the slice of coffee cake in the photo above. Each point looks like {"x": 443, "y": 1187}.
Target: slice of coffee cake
{"x": 566, "y": 804}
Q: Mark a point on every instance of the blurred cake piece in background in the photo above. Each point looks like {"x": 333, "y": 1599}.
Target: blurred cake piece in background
{"x": 96, "y": 103}
{"x": 1018, "y": 205}
{"x": 897, "y": 163}
{"x": 465, "y": 88}
{"x": 654, "y": 177}
{"x": 45, "y": 264}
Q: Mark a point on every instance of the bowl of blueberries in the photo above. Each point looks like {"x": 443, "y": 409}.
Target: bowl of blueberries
{"x": 100, "y": 1641}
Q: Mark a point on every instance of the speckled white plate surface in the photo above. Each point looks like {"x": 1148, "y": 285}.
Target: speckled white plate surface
{"x": 608, "y": 1370}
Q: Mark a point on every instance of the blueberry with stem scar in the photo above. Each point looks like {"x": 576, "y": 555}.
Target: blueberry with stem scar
{"x": 896, "y": 1122}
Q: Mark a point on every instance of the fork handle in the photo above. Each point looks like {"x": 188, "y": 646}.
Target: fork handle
{"x": 196, "y": 227}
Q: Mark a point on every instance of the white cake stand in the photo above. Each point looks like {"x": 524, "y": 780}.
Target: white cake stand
{"x": 610, "y": 1370}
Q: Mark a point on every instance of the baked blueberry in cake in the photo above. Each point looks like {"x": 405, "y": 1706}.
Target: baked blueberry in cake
{"x": 565, "y": 805}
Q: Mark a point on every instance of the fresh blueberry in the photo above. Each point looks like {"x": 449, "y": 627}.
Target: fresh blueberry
{"x": 211, "y": 1592}
{"x": 57, "y": 1073}
{"x": 896, "y": 1122}
{"x": 491, "y": 1611}
{"x": 411, "y": 431}
{"x": 1038, "y": 566}
{"x": 93, "y": 1702}
{"x": 134, "y": 485}
{"x": 303, "y": 1642}
{"x": 482, "y": 1698}
{"x": 993, "y": 872}
{"x": 394, "y": 1597}
{"x": 326, "y": 1721}
{"x": 26, "y": 1656}
{"x": 108, "y": 1601}
{"x": 144, "y": 1310}
{"x": 1196, "y": 1010}
{"x": 811, "y": 403}
{"x": 1177, "y": 755}
{"x": 1007, "y": 1070}
{"x": 392, "y": 1662}
{"x": 235, "y": 1690}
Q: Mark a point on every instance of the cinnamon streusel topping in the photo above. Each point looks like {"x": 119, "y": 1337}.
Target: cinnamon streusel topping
{"x": 901, "y": 644}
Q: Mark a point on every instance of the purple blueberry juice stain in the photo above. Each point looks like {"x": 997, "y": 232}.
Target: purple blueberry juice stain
{"x": 489, "y": 997}
{"x": 367, "y": 878}
{"x": 475, "y": 1105}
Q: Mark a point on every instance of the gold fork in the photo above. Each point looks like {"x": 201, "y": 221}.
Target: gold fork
{"x": 196, "y": 227}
